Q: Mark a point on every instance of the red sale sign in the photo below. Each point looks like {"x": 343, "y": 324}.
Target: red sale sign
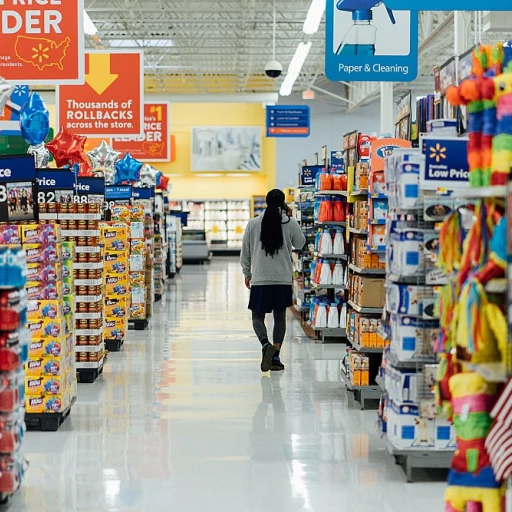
{"x": 111, "y": 101}
{"x": 42, "y": 41}
{"x": 155, "y": 145}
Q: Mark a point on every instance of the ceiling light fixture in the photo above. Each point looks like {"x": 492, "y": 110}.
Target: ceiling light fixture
{"x": 314, "y": 17}
{"x": 295, "y": 67}
{"x": 89, "y": 26}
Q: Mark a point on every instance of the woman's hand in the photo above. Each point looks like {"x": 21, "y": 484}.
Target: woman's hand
{"x": 248, "y": 283}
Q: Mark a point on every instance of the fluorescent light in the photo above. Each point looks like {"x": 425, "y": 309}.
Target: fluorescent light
{"x": 314, "y": 17}
{"x": 301, "y": 54}
{"x": 288, "y": 83}
{"x": 89, "y": 26}
{"x": 295, "y": 67}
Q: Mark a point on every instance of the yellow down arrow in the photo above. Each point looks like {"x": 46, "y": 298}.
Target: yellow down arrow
{"x": 99, "y": 76}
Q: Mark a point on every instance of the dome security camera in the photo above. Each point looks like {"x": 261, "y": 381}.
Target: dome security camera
{"x": 273, "y": 69}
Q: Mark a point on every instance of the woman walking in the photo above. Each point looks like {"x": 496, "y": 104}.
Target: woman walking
{"x": 267, "y": 266}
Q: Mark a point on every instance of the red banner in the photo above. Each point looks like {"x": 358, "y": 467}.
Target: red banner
{"x": 42, "y": 44}
{"x": 110, "y": 103}
{"x": 155, "y": 146}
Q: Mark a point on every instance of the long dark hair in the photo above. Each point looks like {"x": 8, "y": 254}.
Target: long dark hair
{"x": 271, "y": 225}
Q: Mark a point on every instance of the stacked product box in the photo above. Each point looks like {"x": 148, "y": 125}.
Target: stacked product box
{"x": 80, "y": 224}
{"x": 50, "y": 382}
{"x": 149, "y": 233}
{"x": 357, "y": 368}
{"x": 160, "y": 265}
{"x": 114, "y": 238}
{"x": 364, "y": 331}
{"x": 14, "y": 339}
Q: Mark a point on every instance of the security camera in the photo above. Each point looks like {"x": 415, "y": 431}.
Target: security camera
{"x": 273, "y": 69}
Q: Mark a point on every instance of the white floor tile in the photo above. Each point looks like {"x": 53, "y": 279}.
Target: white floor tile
{"x": 182, "y": 420}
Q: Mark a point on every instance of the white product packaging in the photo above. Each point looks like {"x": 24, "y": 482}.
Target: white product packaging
{"x": 321, "y": 316}
{"x": 326, "y": 274}
{"x": 326, "y": 243}
{"x": 339, "y": 243}
{"x": 333, "y": 320}
{"x": 444, "y": 435}
{"x": 406, "y": 335}
{"x": 407, "y": 429}
{"x": 338, "y": 274}
{"x": 343, "y": 317}
{"x": 405, "y": 299}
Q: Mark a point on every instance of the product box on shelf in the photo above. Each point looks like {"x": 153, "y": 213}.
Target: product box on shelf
{"x": 370, "y": 292}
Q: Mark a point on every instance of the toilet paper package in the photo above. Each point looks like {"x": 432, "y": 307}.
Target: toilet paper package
{"x": 405, "y": 299}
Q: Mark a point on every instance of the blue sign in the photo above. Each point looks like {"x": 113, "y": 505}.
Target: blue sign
{"x": 118, "y": 192}
{"x": 52, "y": 179}
{"x": 143, "y": 193}
{"x": 10, "y": 125}
{"x": 288, "y": 121}
{"x": 446, "y": 163}
{"x": 449, "y": 5}
{"x": 337, "y": 161}
{"x": 17, "y": 168}
{"x": 90, "y": 186}
{"x": 367, "y": 42}
{"x": 308, "y": 175}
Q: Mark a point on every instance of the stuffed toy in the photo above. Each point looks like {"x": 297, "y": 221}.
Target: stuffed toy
{"x": 471, "y": 478}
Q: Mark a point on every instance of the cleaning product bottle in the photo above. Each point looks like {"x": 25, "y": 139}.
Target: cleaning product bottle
{"x": 326, "y": 243}
{"x": 362, "y": 35}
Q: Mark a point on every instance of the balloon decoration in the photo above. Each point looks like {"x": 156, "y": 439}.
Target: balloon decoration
{"x": 41, "y": 155}
{"x": 34, "y": 120}
{"x": 85, "y": 170}
{"x": 164, "y": 183}
{"x": 128, "y": 170}
{"x": 103, "y": 157}
{"x": 6, "y": 89}
{"x": 110, "y": 176}
{"x": 149, "y": 176}
{"x": 67, "y": 148}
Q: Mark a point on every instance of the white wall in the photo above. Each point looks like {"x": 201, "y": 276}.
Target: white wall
{"x": 328, "y": 125}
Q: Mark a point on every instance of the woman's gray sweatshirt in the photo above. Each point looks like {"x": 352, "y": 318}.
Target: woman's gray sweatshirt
{"x": 263, "y": 269}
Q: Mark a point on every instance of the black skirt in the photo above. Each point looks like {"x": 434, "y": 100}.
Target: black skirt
{"x": 266, "y": 298}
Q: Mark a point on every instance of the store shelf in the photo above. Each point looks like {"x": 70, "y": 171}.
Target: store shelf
{"x": 358, "y": 231}
{"x": 366, "y": 350}
{"x": 88, "y": 266}
{"x": 90, "y": 365}
{"x": 409, "y": 363}
{"x": 330, "y": 223}
{"x": 361, "y": 192}
{"x": 376, "y": 248}
{"x": 378, "y": 196}
{"x": 420, "y": 458}
{"x": 332, "y": 256}
{"x": 329, "y": 286}
{"x": 415, "y": 279}
{"x": 342, "y": 193}
{"x": 482, "y": 192}
{"x": 367, "y": 311}
{"x": 362, "y": 393}
{"x": 90, "y": 348}
{"x": 367, "y": 271}
{"x": 329, "y": 332}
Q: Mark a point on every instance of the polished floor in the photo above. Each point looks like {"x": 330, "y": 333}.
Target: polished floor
{"x": 183, "y": 421}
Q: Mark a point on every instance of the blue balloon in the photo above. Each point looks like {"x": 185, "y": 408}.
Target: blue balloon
{"x": 159, "y": 178}
{"x": 34, "y": 120}
{"x": 127, "y": 170}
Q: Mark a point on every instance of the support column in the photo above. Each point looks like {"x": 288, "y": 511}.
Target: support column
{"x": 387, "y": 114}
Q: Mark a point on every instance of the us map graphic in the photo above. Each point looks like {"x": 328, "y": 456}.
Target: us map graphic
{"x": 41, "y": 52}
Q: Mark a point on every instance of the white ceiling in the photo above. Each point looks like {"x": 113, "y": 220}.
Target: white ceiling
{"x": 222, "y": 46}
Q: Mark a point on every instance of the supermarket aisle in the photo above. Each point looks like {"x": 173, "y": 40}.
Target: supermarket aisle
{"x": 183, "y": 420}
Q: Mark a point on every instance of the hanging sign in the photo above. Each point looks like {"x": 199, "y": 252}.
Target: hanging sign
{"x": 367, "y": 42}
{"x": 10, "y": 117}
{"x": 17, "y": 189}
{"x": 447, "y": 5}
{"x": 89, "y": 190}
{"x": 155, "y": 145}
{"x": 42, "y": 41}
{"x": 55, "y": 185}
{"x": 111, "y": 101}
{"x": 308, "y": 175}
{"x": 446, "y": 163}
{"x": 288, "y": 121}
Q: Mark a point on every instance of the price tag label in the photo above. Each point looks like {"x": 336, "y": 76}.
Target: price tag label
{"x": 55, "y": 186}
{"x": 89, "y": 190}
{"x": 18, "y": 189}
{"x": 116, "y": 195}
